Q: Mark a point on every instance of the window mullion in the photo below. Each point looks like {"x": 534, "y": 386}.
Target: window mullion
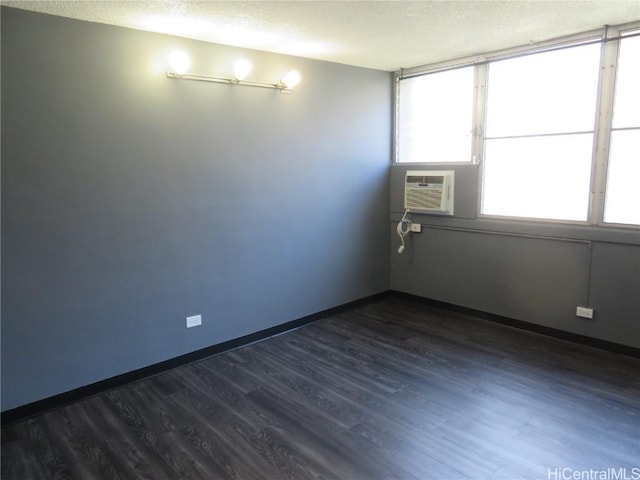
{"x": 479, "y": 99}
{"x": 604, "y": 118}
{"x": 479, "y": 119}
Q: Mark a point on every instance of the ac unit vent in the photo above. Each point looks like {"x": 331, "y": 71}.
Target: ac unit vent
{"x": 429, "y": 191}
{"x": 424, "y": 199}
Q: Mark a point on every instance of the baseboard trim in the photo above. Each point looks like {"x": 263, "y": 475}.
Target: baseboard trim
{"x": 522, "y": 325}
{"x": 57, "y": 401}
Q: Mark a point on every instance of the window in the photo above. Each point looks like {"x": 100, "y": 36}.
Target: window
{"x": 435, "y": 117}
{"x": 622, "y": 201}
{"x": 541, "y": 111}
{"x": 538, "y": 177}
{"x": 556, "y": 126}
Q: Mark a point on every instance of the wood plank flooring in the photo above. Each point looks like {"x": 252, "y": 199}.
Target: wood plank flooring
{"x": 394, "y": 389}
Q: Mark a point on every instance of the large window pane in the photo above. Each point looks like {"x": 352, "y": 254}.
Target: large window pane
{"x": 622, "y": 199}
{"x": 435, "y": 117}
{"x": 550, "y": 92}
{"x": 626, "y": 112}
{"x": 538, "y": 177}
{"x": 622, "y": 203}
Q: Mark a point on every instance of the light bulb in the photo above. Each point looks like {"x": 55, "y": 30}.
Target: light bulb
{"x": 242, "y": 69}
{"x": 291, "y": 80}
{"x": 180, "y": 62}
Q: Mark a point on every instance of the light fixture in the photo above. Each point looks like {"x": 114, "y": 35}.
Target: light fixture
{"x": 241, "y": 69}
{"x": 180, "y": 62}
{"x": 291, "y": 79}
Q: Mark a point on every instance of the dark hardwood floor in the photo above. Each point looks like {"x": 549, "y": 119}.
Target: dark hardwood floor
{"x": 391, "y": 390}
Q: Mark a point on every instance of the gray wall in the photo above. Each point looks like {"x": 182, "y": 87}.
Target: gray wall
{"x": 530, "y": 271}
{"x": 130, "y": 201}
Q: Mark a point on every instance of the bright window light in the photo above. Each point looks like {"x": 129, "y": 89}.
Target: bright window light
{"x": 626, "y": 111}
{"x": 551, "y": 92}
{"x": 622, "y": 200}
{"x": 435, "y": 117}
{"x": 622, "y": 203}
{"x": 541, "y": 113}
{"x": 538, "y": 177}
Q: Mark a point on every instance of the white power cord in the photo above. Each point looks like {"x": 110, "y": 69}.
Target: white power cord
{"x": 402, "y": 232}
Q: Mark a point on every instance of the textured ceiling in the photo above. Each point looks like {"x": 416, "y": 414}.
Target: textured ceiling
{"x": 384, "y": 35}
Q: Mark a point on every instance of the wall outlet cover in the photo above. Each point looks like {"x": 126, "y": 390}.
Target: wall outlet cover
{"x": 584, "y": 312}
{"x": 194, "y": 321}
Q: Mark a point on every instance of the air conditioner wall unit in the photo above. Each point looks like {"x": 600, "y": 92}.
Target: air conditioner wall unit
{"x": 429, "y": 191}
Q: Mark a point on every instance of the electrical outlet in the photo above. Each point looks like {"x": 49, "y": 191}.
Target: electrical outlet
{"x": 584, "y": 312}
{"x": 416, "y": 227}
{"x": 194, "y": 321}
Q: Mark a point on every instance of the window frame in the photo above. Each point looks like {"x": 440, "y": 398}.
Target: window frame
{"x": 575, "y": 41}
{"x": 406, "y": 74}
{"x": 609, "y": 39}
{"x": 609, "y": 70}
